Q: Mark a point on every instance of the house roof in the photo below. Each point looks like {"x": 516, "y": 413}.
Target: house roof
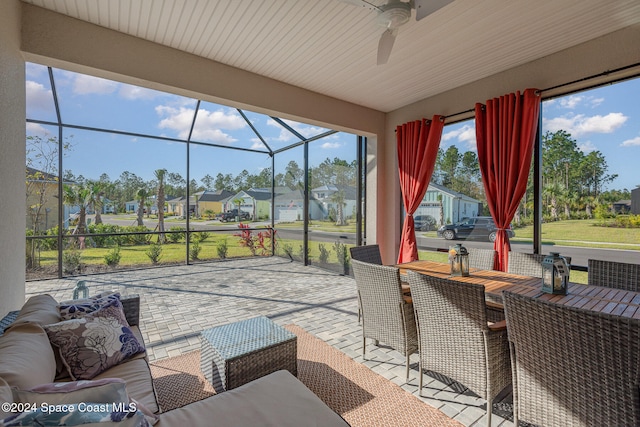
{"x": 452, "y": 193}
{"x": 329, "y": 46}
{"x": 349, "y": 192}
{"x": 214, "y": 196}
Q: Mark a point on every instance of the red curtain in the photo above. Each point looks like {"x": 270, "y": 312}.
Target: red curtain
{"x": 418, "y": 144}
{"x": 505, "y": 132}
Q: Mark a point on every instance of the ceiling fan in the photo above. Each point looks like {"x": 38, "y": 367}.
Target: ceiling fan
{"x": 394, "y": 14}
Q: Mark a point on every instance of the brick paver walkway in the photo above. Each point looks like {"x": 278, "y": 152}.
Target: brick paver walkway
{"x": 179, "y": 302}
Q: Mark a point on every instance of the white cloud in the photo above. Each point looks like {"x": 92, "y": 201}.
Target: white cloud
{"x": 135, "y": 92}
{"x": 571, "y": 101}
{"x": 38, "y": 96}
{"x": 331, "y": 145}
{"x": 587, "y": 147}
{"x": 37, "y": 130}
{"x": 466, "y": 134}
{"x": 579, "y": 124}
{"x": 85, "y": 85}
{"x": 209, "y": 124}
{"x": 305, "y": 130}
{"x": 631, "y": 142}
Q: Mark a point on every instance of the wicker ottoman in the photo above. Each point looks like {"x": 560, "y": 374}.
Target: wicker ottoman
{"x": 240, "y": 352}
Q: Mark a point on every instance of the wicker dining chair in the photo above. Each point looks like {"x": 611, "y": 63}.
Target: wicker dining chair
{"x": 572, "y": 366}
{"x": 611, "y": 274}
{"x": 387, "y": 314}
{"x": 456, "y": 340}
{"x": 527, "y": 264}
{"x": 482, "y": 258}
{"x": 367, "y": 253}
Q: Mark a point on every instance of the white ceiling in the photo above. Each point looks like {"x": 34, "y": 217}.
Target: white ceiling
{"x": 329, "y": 46}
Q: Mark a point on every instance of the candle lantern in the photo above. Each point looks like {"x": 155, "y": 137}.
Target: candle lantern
{"x": 81, "y": 290}
{"x": 459, "y": 260}
{"x": 555, "y": 274}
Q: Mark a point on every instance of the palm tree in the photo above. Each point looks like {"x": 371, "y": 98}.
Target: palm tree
{"x": 441, "y": 210}
{"x": 97, "y": 191}
{"x": 78, "y": 195}
{"x": 141, "y": 195}
{"x": 238, "y": 201}
{"x": 160, "y": 173}
{"x": 552, "y": 191}
{"x": 338, "y": 198}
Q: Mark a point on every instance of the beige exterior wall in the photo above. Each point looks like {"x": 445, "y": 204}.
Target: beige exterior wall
{"x": 12, "y": 160}
{"x": 216, "y": 207}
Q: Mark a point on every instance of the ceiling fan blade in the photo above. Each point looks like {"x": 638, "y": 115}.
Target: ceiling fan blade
{"x": 385, "y": 45}
{"x": 427, "y": 7}
{"x": 363, "y": 3}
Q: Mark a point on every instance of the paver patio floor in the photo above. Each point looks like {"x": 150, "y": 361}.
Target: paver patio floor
{"x": 178, "y": 302}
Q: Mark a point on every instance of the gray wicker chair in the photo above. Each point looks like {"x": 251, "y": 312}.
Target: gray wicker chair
{"x": 455, "y": 338}
{"x": 527, "y": 264}
{"x": 482, "y": 258}
{"x": 571, "y": 366}
{"x": 611, "y": 274}
{"x": 367, "y": 253}
{"x": 387, "y": 316}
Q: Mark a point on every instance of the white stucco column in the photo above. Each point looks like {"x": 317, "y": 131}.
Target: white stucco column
{"x": 12, "y": 159}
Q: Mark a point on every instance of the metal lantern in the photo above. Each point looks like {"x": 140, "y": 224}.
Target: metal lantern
{"x": 555, "y": 274}
{"x": 81, "y": 287}
{"x": 459, "y": 260}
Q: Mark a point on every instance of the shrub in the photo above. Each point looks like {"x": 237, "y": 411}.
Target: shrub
{"x": 112, "y": 258}
{"x": 200, "y": 236}
{"x": 194, "y": 250}
{"x": 154, "y": 253}
{"x": 222, "y": 248}
{"x": 341, "y": 253}
{"x": 288, "y": 250}
{"x": 176, "y": 237}
{"x": 72, "y": 260}
{"x": 324, "y": 253}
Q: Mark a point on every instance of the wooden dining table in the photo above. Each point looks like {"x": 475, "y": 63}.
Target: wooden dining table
{"x": 600, "y": 299}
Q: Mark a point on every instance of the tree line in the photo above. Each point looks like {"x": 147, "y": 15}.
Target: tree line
{"x": 573, "y": 182}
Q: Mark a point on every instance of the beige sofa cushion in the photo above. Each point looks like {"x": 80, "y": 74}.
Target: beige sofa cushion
{"x": 137, "y": 374}
{"x": 278, "y": 399}
{"x": 40, "y": 309}
{"x": 26, "y": 356}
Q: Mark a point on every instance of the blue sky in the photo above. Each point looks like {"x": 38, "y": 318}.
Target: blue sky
{"x": 605, "y": 119}
{"x": 99, "y": 103}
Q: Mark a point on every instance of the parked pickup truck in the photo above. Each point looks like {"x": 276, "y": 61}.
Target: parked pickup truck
{"x": 232, "y": 214}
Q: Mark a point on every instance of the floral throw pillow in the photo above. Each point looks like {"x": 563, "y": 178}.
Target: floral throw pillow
{"x": 74, "y": 309}
{"x": 92, "y": 344}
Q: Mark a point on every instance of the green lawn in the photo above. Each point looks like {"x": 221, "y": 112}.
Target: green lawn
{"x": 582, "y": 233}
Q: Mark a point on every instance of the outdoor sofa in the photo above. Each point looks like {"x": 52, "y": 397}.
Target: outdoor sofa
{"x": 32, "y": 376}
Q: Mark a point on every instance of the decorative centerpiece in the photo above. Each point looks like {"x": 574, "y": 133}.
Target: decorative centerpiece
{"x": 459, "y": 260}
{"x": 555, "y": 274}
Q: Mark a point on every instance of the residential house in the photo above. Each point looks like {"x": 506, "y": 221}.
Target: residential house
{"x": 42, "y": 200}
{"x": 289, "y": 207}
{"x": 211, "y": 201}
{"x": 326, "y": 196}
{"x": 256, "y": 202}
{"x": 635, "y": 201}
{"x": 455, "y": 206}
{"x": 169, "y": 207}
